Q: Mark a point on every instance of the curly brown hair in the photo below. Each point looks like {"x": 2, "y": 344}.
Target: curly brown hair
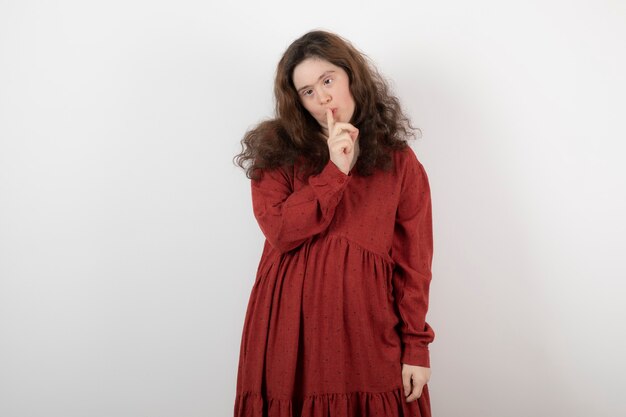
{"x": 295, "y": 135}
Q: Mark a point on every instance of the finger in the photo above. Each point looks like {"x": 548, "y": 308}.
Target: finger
{"x": 343, "y": 135}
{"x": 343, "y": 144}
{"x": 338, "y": 127}
{"x": 351, "y": 135}
{"x": 354, "y": 135}
{"x": 406, "y": 383}
{"x": 416, "y": 393}
{"x": 345, "y": 141}
{"x": 330, "y": 121}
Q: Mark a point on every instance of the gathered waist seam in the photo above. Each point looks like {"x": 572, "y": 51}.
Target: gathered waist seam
{"x": 385, "y": 257}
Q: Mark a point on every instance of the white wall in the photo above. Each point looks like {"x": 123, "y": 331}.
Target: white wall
{"x": 128, "y": 247}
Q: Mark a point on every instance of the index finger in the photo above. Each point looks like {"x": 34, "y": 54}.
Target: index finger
{"x": 330, "y": 121}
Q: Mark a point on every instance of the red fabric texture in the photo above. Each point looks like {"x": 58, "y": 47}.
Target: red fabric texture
{"x": 341, "y": 293}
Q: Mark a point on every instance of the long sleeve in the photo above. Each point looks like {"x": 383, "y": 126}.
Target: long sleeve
{"x": 288, "y": 218}
{"x": 412, "y": 252}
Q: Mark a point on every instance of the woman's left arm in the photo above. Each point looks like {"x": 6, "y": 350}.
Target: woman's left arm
{"x": 412, "y": 252}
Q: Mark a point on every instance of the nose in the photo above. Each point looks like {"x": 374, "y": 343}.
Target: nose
{"x": 324, "y": 97}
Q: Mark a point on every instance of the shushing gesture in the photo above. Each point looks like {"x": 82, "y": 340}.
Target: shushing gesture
{"x": 342, "y": 144}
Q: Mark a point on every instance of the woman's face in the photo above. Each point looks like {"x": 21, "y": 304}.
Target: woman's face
{"x": 321, "y": 85}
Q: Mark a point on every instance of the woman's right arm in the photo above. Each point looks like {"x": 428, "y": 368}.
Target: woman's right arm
{"x": 288, "y": 219}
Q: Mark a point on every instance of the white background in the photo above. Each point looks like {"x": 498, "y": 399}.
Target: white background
{"x": 128, "y": 246}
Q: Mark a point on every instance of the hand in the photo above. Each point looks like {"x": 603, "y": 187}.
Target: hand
{"x": 419, "y": 375}
{"x": 341, "y": 139}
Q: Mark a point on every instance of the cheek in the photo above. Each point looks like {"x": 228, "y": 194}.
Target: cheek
{"x": 349, "y": 95}
{"x": 345, "y": 94}
{"x": 314, "y": 111}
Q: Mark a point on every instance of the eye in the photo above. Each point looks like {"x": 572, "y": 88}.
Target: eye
{"x": 307, "y": 92}
{"x": 328, "y": 81}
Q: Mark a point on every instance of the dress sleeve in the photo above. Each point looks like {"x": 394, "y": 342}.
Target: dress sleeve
{"x": 412, "y": 251}
{"x": 288, "y": 218}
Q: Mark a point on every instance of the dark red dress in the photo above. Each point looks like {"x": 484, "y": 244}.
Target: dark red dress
{"x": 341, "y": 293}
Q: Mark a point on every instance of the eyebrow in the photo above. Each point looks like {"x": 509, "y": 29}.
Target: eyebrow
{"x": 319, "y": 78}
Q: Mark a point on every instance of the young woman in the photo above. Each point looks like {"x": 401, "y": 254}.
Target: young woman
{"x": 335, "y": 325}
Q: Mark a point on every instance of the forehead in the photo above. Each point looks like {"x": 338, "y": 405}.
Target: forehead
{"x": 308, "y": 71}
